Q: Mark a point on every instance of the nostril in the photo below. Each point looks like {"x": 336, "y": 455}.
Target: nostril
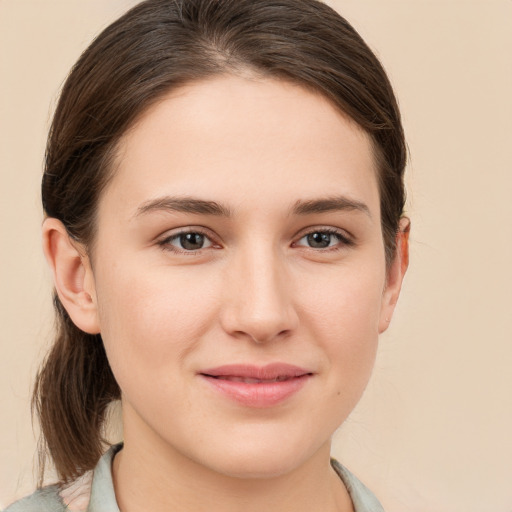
{"x": 260, "y": 309}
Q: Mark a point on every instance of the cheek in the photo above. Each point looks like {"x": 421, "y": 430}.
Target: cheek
{"x": 345, "y": 300}
{"x": 343, "y": 317}
{"x": 150, "y": 320}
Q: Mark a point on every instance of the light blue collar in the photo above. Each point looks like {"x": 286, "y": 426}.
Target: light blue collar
{"x": 103, "y": 498}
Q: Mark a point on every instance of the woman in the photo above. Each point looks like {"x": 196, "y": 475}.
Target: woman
{"x": 223, "y": 195}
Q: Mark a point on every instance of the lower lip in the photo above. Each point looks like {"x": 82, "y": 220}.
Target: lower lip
{"x": 261, "y": 394}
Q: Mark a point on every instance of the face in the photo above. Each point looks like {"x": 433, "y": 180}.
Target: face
{"x": 239, "y": 274}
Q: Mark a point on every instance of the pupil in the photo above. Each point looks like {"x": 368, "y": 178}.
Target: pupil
{"x": 319, "y": 240}
{"x": 192, "y": 241}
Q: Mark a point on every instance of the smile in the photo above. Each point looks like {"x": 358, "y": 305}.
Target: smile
{"x": 253, "y": 386}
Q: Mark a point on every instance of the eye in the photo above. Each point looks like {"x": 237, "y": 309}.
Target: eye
{"x": 186, "y": 241}
{"x": 323, "y": 239}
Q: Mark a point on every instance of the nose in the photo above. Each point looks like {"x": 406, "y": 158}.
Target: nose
{"x": 258, "y": 305}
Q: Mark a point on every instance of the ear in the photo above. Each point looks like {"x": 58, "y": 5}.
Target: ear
{"x": 72, "y": 275}
{"x": 395, "y": 274}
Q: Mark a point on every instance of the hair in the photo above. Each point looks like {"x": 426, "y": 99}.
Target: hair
{"x": 155, "y": 47}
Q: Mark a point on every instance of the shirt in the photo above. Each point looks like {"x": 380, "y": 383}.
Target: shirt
{"x": 94, "y": 492}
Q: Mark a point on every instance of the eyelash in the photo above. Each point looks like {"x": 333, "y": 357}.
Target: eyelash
{"x": 343, "y": 241}
{"x": 165, "y": 244}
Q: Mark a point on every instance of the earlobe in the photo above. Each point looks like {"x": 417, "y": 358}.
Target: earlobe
{"x": 72, "y": 274}
{"x": 396, "y": 273}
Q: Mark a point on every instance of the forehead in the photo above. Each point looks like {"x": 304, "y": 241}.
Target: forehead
{"x": 244, "y": 138}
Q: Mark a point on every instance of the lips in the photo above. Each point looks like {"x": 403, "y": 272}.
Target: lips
{"x": 246, "y": 380}
{"x": 254, "y": 386}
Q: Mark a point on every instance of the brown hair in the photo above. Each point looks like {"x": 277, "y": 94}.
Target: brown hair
{"x": 157, "y": 46}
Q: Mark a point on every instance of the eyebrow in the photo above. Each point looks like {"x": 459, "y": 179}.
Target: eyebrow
{"x": 204, "y": 207}
{"x": 330, "y": 204}
{"x": 184, "y": 205}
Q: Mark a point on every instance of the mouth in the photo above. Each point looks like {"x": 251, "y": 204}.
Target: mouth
{"x": 254, "y": 386}
{"x": 246, "y": 380}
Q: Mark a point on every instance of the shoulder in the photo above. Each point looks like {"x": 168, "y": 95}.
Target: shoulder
{"x": 71, "y": 497}
{"x": 93, "y": 492}
{"x": 362, "y": 498}
{"x": 46, "y": 499}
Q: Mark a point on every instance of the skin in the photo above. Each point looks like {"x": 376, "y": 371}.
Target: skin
{"x": 256, "y": 293}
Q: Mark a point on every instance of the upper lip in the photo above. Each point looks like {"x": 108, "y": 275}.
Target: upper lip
{"x": 267, "y": 372}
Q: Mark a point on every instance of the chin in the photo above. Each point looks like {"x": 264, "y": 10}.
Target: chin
{"x": 259, "y": 467}
{"x": 260, "y": 459}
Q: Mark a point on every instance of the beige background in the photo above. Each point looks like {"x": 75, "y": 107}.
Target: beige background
{"x": 434, "y": 430}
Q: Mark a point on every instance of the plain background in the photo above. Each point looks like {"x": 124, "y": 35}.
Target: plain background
{"x": 433, "y": 432}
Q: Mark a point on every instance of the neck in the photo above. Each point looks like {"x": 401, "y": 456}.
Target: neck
{"x": 150, "y": 475}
